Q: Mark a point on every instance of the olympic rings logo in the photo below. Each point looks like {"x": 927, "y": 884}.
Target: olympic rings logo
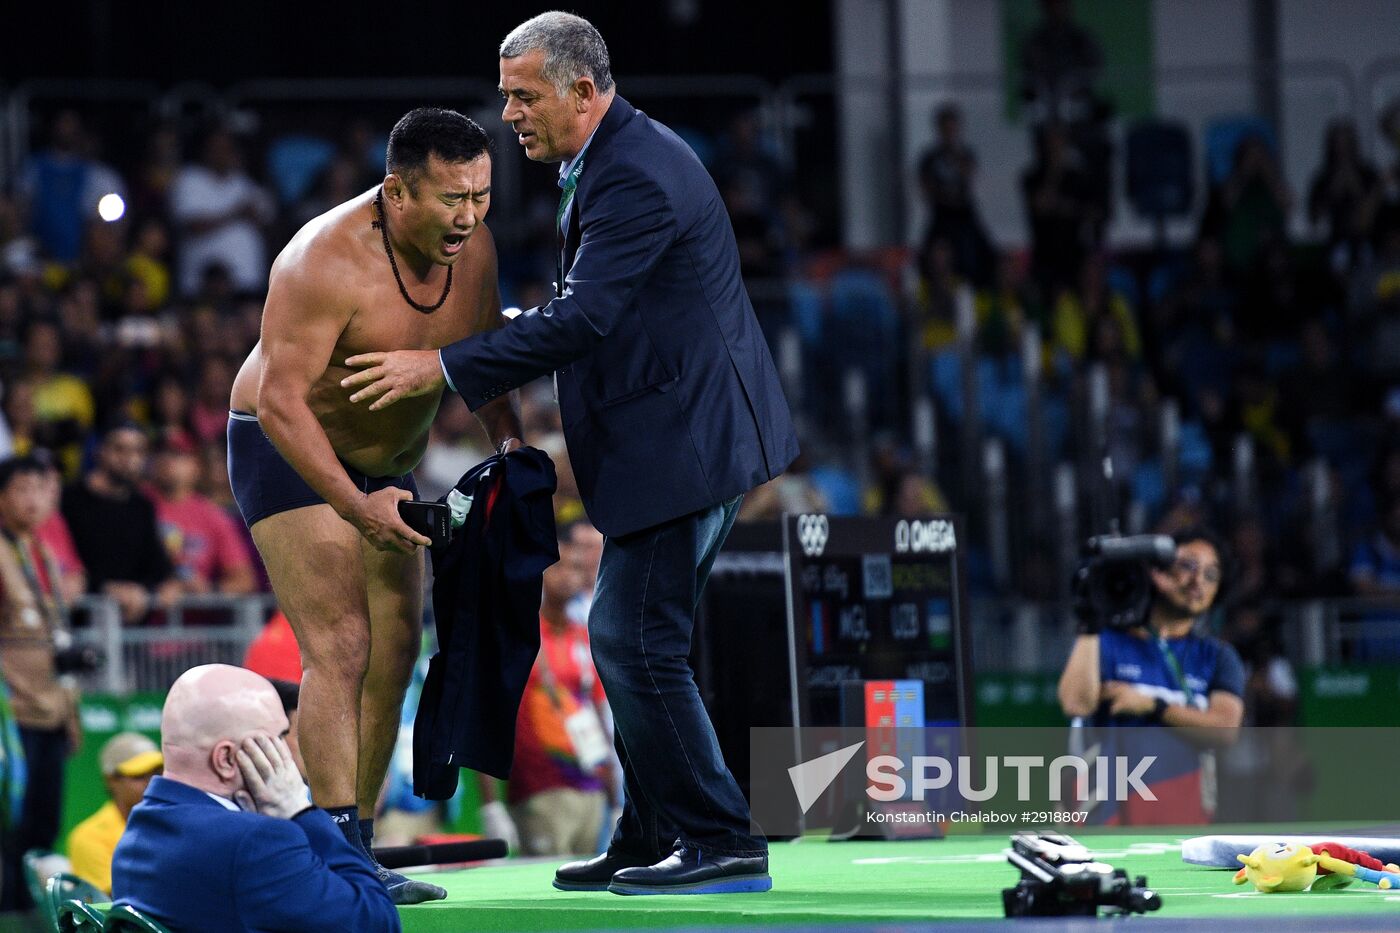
{"x": 813, "y": 531}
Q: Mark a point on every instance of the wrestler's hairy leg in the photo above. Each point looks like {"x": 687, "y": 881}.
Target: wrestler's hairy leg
{"x": 313, "y": 558}
{"x": 394, "y": 584}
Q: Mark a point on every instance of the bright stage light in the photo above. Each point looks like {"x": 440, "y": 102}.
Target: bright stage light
{"x": 111, "y": 207}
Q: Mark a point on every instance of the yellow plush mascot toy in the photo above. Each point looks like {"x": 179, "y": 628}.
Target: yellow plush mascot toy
{"x": 1278, "y": 866}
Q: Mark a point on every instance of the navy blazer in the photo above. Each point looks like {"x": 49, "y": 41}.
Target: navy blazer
{"x": 486, "y": 605}
{"x": 195, "y": 866}
{"x": 668, "y": 394}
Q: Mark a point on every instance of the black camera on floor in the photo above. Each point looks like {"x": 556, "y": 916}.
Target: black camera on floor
{"x": 1110, "y": 587}
{"x": 1059, "y": 878}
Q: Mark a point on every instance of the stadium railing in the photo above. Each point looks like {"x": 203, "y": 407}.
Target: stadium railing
{"x": 203, "y": 629}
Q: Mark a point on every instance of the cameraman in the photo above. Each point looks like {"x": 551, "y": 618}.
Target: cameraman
{"x": 31, "y": 623}
{"x": 1161, "y": 673}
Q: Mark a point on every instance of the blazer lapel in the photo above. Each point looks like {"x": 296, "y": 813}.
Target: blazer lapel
{"x": 619, "y": 113}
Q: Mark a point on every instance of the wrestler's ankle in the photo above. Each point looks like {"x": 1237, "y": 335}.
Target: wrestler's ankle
{"x": 347, "y": 820}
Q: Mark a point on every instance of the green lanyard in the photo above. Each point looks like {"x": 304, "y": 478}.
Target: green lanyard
{"x": 1174, "y": 668}
{"x": 566, "y": 199}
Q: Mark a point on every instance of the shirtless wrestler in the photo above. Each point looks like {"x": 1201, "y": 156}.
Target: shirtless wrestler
{"x": 318, "y": 480}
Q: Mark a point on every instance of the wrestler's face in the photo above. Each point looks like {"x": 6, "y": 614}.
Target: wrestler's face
{"x": 547, "y": 125}
{"x": 442, "y": 203}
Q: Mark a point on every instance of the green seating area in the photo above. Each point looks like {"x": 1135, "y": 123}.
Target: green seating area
{"x": 68, "y": 904}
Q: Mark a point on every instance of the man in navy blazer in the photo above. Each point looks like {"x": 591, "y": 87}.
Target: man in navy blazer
{"x": 672, "y": 410}
{"x": 227, "y": 839}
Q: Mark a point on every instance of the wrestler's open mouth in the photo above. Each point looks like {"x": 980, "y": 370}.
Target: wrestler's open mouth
{"x": 453, "y": 242}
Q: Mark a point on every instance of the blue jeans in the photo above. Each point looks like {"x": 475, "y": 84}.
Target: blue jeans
{"x": 678, "y": 789}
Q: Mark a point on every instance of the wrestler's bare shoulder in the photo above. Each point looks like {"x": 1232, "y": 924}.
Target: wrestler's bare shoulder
{"x": 329, "y": 249}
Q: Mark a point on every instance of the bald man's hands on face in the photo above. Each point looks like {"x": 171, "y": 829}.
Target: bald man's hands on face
{"x": 272, "y": 784}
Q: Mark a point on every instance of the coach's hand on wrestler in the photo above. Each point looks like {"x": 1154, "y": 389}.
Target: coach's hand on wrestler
{"x": 376, "y": 516}
{"x": 1125, "y": 699}
{"x": 272, "y": 785}
{"x": 388, "y": 377}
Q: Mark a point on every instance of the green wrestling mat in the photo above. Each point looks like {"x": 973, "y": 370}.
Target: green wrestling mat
{"x": 844, "y": 883}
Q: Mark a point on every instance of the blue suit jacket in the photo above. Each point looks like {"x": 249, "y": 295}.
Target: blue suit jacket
{"x": 668, "y": 394}
{"x": 196, "y": 866}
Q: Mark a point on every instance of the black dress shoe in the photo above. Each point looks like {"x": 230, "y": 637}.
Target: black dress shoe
{"x": 690, "y": 871}
{"x": 595, "y": 873}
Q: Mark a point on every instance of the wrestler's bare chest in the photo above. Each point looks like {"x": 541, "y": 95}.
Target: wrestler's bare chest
{"x": 384, "y": 320}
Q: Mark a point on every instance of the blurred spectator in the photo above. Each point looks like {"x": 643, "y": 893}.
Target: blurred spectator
{"x": 1345, "y": 195}
{"x": 946, "y": 173}
{"x": 114, "y": 527}
{"x": 1252, "y": 580}
{"x": 170, "y": 409}
{"x": 1263, "y": 415}
{"x": 209, "y": 412}
{"x": 128, "y": 761}
{"x": 1277, "y": 298}
{"x": 455, "y": 445}
{"x": 792, "y": 492}
{"x": 1001, "y": 311}
{"x": 1271, "y": 686}
{"x": 758, "y": 236}
{"x": 745, "y": 166}
{"x": 148, "y": 261}
{"x": 340, "y": 181}
{"x": 539, "y": 415}
{"x": 62, "y": 185}
{"x": 79, "y": 316}
{"x": 586, "y": 550}
{"x": 53, "y": 532}
{"x": 556, "y": 794}
{"x": 1060, "y": 63}
{"x": 1083, "y": 317}
{"x": 1060, "y": 211}
{"x": 32, "y": 632}
{"x": 1250, "y": 208}
{"x": 220, "y": 211}
{"x": 155, "y": 175}
{"x": 568, "y": 507}
{"x": 1375, "y": 307}
{"x": 1321, "y": 390}
{"x": 1375, "y": 564}
{"x": 64, "y": 410}
{"x": 1375, "y": 571}
{"x": 208, "y": 553}
{"x": 935, "y": 304}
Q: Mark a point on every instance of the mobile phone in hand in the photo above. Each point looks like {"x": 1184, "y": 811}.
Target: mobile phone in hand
{"x": 430, "y": 519}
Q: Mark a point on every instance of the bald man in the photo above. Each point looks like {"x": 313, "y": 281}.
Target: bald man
{"x": 227, "y": 840}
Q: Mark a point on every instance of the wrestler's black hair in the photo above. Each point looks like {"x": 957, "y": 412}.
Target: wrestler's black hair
{"x": 429, "y": 131}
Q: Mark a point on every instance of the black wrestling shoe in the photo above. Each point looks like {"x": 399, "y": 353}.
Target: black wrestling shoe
{"x": 690, "y": 871}
{"x": 596, "y": 873}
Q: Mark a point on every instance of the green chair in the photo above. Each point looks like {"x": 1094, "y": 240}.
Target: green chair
{"x": 74, "y": 916}
{"x": 64, "y": 887}
{"x": 127, "y": 919}
{"x": 37, "y": 886}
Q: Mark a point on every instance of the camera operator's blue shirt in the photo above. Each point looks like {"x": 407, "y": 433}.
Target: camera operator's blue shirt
{"x": 1179, "y": 775}
{"x": 1206, "y": 665}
